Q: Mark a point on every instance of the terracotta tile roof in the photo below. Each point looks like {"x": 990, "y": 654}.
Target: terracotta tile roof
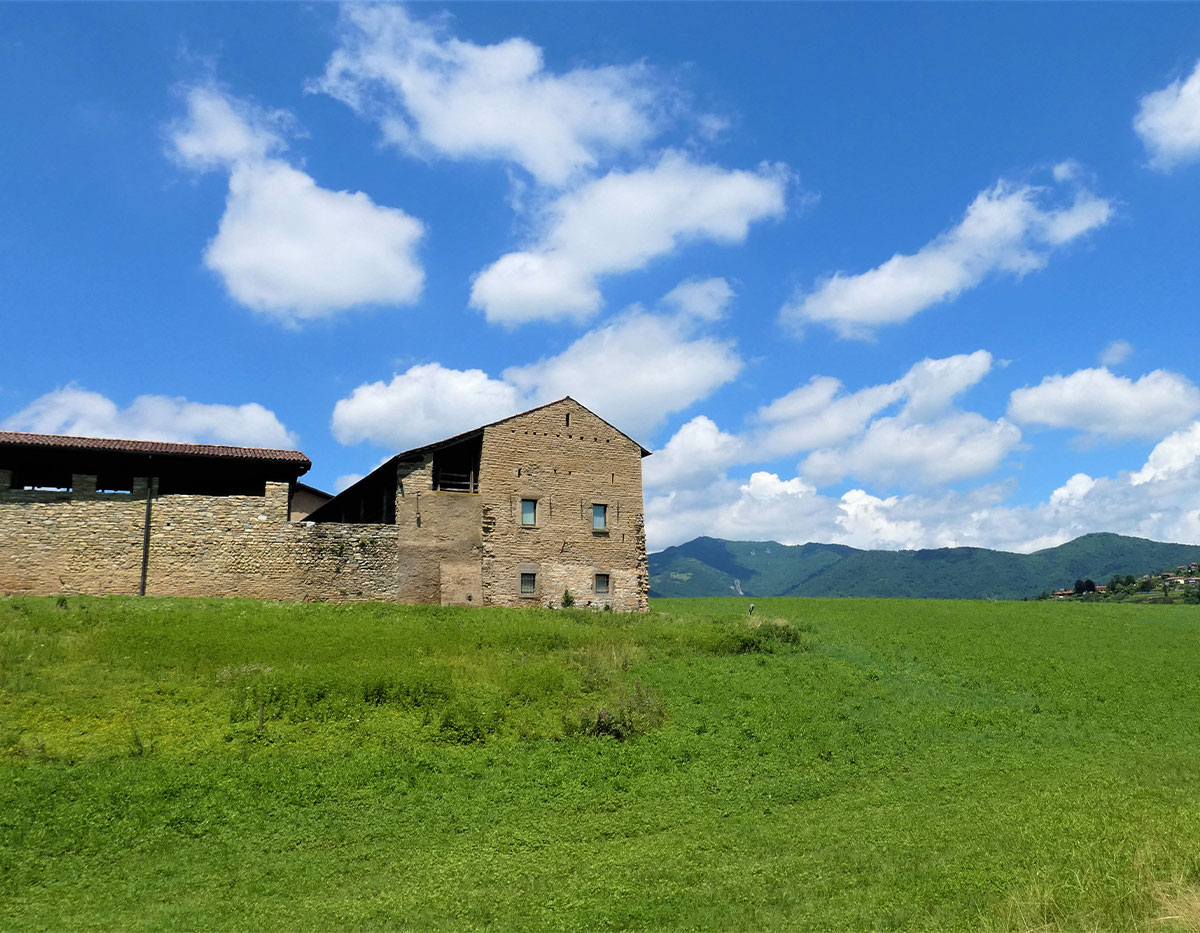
{"x": 68, "y": 442}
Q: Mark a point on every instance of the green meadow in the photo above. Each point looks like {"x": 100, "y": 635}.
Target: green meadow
{"x": 822, "y": 765}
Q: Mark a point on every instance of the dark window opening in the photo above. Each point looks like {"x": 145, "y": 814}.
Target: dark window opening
{"x": 42, "y": 480}
{"x": 456, "y": 468}
{"x": 114, "y": 482}
{"x": 212, "y": 485}
{"x": 568, "y": 419}
{"x": 528, "y": 584}
{"x": 601, "y": 584}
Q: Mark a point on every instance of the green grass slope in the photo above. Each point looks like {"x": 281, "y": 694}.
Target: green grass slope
{"x": 709, "y": 567}
{"x": 846, "y": 765}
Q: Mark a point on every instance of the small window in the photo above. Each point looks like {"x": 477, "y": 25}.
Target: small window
{"x": 601, "y": 584}
{"x": 599, "y": 518}
{"x": 528, "y": 584}
{"x": 529, "y": 511}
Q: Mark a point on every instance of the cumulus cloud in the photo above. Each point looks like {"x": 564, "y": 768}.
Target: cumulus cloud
{"x": 895, "y": 450}
{"x": 1173, "y": 455}
{"x": 706, "y": 299}
{"x": 285, "y": 246}
{"x": 297, "y": 251}
{"x": 434, "y": 94}
{"x": 1008, "y": 228}
{"x": 72, "y": 410}
{"x": 1100, "y": 403}
{"x": 698, "y": 450}
{"x": 633, "y": 371}
{"x": 925, "y": 440}
{"x": 425, "y": 403}
{"x": 903, "y": 432}
{"x": 1116, "y": 353}
{"x": 792, "y": 511}
{"x": 1160, "y": 500}
{"x": 621, "y": 222}
{"x": 1168, "y": 121}
{"x": 220, "y": 131}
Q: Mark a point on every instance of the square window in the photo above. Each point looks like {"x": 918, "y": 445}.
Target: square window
{"x": 601, "y": 584}
{"x": 529, "y": 511}
{"x": 599, "y": 518}
{"x": 528, "y": 584}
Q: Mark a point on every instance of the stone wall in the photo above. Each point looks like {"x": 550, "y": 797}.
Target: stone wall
{"x": 87, "y": 542}
{"x": 445, "y": 547}
{"x": 566, "y": 468}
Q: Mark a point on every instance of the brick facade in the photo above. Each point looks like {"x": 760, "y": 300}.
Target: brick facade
{"x": 463, "y": 548}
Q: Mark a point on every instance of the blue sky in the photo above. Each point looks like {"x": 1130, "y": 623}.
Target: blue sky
{"x": 890, "y": 275}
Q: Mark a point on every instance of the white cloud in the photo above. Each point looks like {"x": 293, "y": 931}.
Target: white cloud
{"x": 925, "y": 441}
{"x": 1161, "y": 501}
{"x": 698, "y": 451}
{"x": 432, "y": 93}
{"x": 1007, "y": 228}
{"x": 633, "y": 371}
{"x": 706, "y": 299}
{"x": 296, "y": 251}
{"x": 1171, "y": 456}
{"x": 72, "y": 410}
{"x": 894, "y": 451}
{"x": 1073, "y": 491}
{"x": 345, "y": 481}
{"x": 1097, "y": 402}
{"x": 1115, "y": 353}
{"x": 220, "y": 131}
{"x": 1168, "y": 121}
{"x": 285, "y": 246}
{"x": 621, "y": 222}
{"x": 423, "y": 404}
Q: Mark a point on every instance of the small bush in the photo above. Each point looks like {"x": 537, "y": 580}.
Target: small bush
{"x": 764, "y": 638}
{"x": 568, "y": 600}
{"x": 632, "y": 715}
{"x": 465, "y": 721}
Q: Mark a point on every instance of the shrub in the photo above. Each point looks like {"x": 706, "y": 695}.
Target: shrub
{"x": 763, "y": 638}
{"x": 465, "y": 721}
{"x": 632, "y": 715}
{"x": 568, "y": 600}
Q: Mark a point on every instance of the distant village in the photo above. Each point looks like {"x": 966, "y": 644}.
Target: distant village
{"x": 1180, "y": 584}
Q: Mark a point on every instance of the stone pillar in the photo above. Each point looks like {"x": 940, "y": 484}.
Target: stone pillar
{"x": 5, "y": 481}
{"x": 141, "y": 486}
{"x": 83, "y": 486}
{"x": 277, "y": 495}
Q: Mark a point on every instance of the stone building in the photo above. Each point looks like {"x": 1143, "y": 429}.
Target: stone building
{"x": 513, "y": 513}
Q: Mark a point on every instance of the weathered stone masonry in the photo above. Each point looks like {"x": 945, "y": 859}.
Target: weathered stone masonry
{"x": 412, "y": 537}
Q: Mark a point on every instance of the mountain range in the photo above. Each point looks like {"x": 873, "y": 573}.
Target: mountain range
{"x": 715, "y": 567}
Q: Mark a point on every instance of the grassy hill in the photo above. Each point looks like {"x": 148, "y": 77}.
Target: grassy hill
{"x": 828, "y": 764}
{"x": 713, "y": 567}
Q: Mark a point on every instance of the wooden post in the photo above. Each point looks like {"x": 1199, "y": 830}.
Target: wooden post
{"x": 151, "y": 489}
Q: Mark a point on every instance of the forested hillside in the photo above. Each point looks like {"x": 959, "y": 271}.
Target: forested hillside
{"x": 714, "y": 567}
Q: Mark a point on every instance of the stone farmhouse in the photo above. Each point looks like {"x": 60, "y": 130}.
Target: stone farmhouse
{"x": 513, "y": 513}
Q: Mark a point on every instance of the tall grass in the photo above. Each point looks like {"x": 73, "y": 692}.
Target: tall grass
{"x": 849, "y": 764}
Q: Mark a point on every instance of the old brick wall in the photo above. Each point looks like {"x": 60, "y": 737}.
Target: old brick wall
{"x": 84, "y": 542}
{"x": 566, "y": 468}
{"x": 445, "y": 547}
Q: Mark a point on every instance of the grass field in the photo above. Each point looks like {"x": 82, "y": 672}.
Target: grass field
{"x": 848, "y": 764}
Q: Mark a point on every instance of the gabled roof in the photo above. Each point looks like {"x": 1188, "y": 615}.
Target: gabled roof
{"x": 416, "y": 452}
{"x": 64, "y": 442}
